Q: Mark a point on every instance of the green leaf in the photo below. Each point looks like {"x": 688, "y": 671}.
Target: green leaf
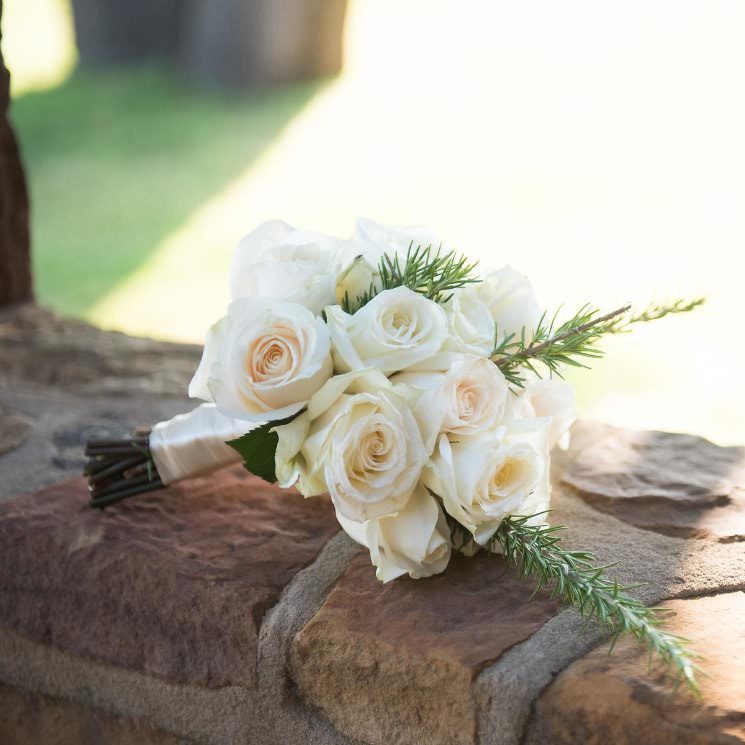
{"x": 257, "y": 449}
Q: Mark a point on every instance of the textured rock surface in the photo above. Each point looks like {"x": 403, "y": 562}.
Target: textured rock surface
{"x": 29, "y": 718}
{"x": 69, "y": 381}
{"x": 174, "y": 584}
{"x": 149, "y": 618}
{"x": 394, "y": 663}
{"x": 13, "y": 430}
{"x": 36, "y": 348}
{"x": 616, "y": 699}
{"x": 671, "y": 483}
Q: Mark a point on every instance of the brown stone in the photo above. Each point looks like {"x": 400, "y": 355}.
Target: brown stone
{"x": 13, "y": 431}
{"x": 15, "y": 257}
{"x": 394, "y": 663}
{"x": 32, "y": 719}
{"x": 618, "y": 699}
{"x": 675, "y": 484}
{"x": 174, "y": 583}
{"x": 37, "y": 348}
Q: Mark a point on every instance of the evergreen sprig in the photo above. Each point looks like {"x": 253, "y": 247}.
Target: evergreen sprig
{"x": 431, "y": 272}
{"x": 574, "y": 578}
{"x": 652, "y": 312}
{"x": 553, "y": 346}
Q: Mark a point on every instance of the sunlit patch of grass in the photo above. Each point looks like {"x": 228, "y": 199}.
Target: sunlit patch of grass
{"x": 118, "y": 161}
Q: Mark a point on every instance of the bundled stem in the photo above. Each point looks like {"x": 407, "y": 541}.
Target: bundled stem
{"x": 118, "y": 469}
{"x": 536, "y": 552}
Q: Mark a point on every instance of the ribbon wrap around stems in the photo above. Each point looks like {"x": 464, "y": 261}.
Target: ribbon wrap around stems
{"x": 194, "y": 444}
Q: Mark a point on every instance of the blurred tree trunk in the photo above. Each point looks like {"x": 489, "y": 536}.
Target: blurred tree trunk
{"x": 121, "y": 32}
{"x": 260, "y": 43}
{"x": 15, "y": 256}
{"x": 216, "y": 43}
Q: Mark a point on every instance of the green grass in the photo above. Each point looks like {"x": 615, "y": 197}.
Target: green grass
{"x": 118, "y": 160}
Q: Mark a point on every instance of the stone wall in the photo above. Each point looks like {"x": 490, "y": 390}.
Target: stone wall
{"x": 224, "y": 611}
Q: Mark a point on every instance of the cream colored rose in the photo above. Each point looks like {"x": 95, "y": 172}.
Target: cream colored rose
{"x": 356, "y": 279}
{"x": 396, "y": 329}
{"x": 484, "y": 478}
{"x": 503, "y": 298}
{"x": 392, "y": 239}
{"x": 416, "y": 540}
{"x": 548, "y": 398}
{"x": 359, "y": 441}
{"x": 281, "y": 262}
{"x": 264, "y": 360}
{"x": 469, "y": 398}
{"x": 471, "y": 323}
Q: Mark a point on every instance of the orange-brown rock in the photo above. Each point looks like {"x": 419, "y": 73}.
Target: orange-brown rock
{"x": 30, "y": 718}
{"x": 173, "y": 584}
{"x": 394, "y": 663}
{"x": 675, "y": 484}
{"x": 619, "y": 699}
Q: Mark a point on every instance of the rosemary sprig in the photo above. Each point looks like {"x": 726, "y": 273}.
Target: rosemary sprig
{"x": 536, "y": 552}
{"x": 653, "y": 312}
{"x": 553, "y": 345}
{"x": 433, "y": 273}
{"x": 571, "y": 342}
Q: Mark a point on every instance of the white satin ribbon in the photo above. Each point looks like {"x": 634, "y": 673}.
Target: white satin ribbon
{"x": 193, "y": 444}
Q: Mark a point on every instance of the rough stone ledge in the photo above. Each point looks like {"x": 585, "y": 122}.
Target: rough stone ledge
{"x": 620, "y": 699}
{"x": 27, "y": 717}
{"x": 39, "y": 349}
{"x": 65, "y": 407}
{"x": 174, "y": 583}
{"x": 222, "y": 716}
{"x": 676, "y": 484}
{"x": 504, "y": 692}
{"x": 671, "y": 567}
{"x": 60, "y": 422}
{"x": 229, "y": 715}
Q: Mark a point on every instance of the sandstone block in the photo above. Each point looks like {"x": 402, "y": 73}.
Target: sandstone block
{"x": 30, "y": 719}
{"x": 675, "y": 484}
{"x": 619, "y": 699}
{"x": 174, "y": 584}
{"x": 393, "y": 664}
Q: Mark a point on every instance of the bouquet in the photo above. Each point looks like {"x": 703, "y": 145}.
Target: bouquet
{"x": 420, "y": 393}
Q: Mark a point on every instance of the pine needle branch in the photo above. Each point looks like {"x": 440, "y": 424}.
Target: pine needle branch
{"x": 536, "y": 552}
{"x": 653, "y": 312}
{"x": 572, "y": 342}
{"x": 433, "y": 273}
{"x": 552, "y": 345}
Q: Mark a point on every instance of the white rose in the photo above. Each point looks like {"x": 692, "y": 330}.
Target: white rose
{"x": 264, "y": 360}
{"x": 485, "y": 478}
{"x": 359, "y": 441}
{"x": 548, "y": 398}
{"x": 471, "y": 323}
{"x": 283, "y": 263}
{"x": 416, "y": 540}
{"x": 503, "y": 297}
{"x": 469, "y": 398}
{"x": 396, "y": 329}
{"x": 510, "y": 299}
{"x": 393, "y": 239}
{"x": 357, "y": 279}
